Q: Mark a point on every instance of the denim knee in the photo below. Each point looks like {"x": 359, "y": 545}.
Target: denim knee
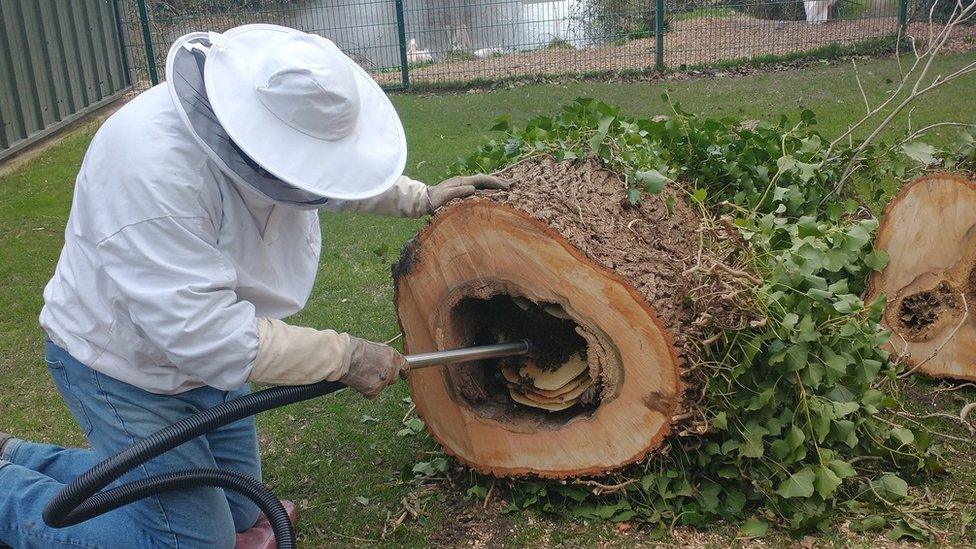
{"x": 245, "y": 513}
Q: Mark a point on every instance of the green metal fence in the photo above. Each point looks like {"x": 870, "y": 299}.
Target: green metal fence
{"x": 434, "y": 43}
{"x": 59, "y": 59}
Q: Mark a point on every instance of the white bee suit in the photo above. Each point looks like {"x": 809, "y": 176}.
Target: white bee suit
{"x": 178, "y": 253}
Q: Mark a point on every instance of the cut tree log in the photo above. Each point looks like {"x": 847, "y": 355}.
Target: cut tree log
{"x": 563, "y": 235}
{"x": 929, "y": 233}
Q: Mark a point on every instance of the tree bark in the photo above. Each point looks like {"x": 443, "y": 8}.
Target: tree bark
{"x": 929, "y": 233}
{"x": 566, "y": 240}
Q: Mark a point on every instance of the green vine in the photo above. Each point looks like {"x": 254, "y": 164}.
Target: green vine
{"x": 794, "y": 406}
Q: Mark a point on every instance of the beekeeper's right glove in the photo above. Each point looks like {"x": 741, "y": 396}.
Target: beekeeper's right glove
{"x": 295, "y": 355}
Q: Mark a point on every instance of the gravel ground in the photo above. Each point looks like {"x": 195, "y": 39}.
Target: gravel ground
{"x": 690, "y": 42}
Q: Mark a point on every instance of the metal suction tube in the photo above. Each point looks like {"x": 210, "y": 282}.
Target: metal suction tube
{"x": 468, "y": 354}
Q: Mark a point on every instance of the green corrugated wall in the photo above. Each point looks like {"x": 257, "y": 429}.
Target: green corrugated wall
{"x": 59, "y": 59}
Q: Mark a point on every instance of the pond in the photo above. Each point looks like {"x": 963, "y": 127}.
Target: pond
{"x": 367, "y": 29}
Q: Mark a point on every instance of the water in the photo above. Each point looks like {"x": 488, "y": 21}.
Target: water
{"x": 367, "y": 29}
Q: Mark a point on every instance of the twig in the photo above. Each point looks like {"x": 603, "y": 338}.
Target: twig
{"x": 392, "y": 339}
{"x": 409, "y": 411}
{"x": 903, "y": 415}
{"x": 953, "y": 388}
{"x": 964, "y": 413}
{"x": 599, "y": 489}
{"x": 906, "y": 514}
{"x": 738, "y": 273}
{"x": 491, "y": 489}
{"x": 857, "y": 78}
{"x": 921, "y": 131}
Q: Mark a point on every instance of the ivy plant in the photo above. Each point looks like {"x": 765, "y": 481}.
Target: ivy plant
{"x": 797, "y": 407}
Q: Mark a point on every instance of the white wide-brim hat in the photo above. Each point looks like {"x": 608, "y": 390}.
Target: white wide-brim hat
{"x": 298, "y": 107}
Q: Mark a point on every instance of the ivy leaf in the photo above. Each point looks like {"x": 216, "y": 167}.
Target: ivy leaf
{"x": 876, "y": 260}
{"x": 753, "y": 445}
{"x": 633, "y": 196}
{"x": 807, "y": 171}
{"x": 720, "y": 421}
{"x": 843, "y": 469}
{"x": 785, "y": 163}
{"x": 873, "y": 522}
{"x": 827, "y": 482}
{"x": 799, "y": 485}
{"x": 601, "y": 133}
{"x": 903, "y": 530}
{"x": 905, "y": 436}
{"x": 923, "y": 153}
{"x": 708, "y": 496}
{"x": 653, "y": 180}
{"x": 754, "y": 528}
{"x": 502, "y": 124}
{"x": 596, "y": 511}
{"x": 891, "y": 487}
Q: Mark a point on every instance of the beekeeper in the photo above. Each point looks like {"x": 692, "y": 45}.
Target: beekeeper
{"x": 194, "y": 229}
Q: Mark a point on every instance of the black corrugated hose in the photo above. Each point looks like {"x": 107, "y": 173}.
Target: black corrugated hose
{"x": 83, "y": 499}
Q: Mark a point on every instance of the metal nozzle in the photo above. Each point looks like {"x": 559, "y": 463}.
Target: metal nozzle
{"x": 468, "y": 354}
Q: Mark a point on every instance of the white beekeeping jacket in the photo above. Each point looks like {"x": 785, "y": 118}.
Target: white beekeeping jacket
{"x": 167, "y": 263}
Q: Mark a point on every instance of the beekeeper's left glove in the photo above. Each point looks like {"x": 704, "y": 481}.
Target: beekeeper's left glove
{"x": 461, "y": 186}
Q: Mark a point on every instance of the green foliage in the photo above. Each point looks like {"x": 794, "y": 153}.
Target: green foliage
{"x": 796, "y": 404}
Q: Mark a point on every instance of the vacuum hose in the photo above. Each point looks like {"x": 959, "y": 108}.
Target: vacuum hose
{"x": 83, "y": 498}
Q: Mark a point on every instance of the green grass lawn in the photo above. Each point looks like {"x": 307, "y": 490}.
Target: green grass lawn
{"x": 340, "y": 457}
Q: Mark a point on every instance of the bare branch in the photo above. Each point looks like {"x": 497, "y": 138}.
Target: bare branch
{"x": 857, "y": 77}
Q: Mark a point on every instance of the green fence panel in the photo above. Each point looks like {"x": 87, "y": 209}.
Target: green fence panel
{"x": 59, "y": 60}
{"x": 462, "y": 43}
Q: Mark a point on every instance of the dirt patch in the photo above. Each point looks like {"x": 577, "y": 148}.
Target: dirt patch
{"x": 703, "y": 40}
{"x": 471, "y": 524}
{"x": 646, "y": 244}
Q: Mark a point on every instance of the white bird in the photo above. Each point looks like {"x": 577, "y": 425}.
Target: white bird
{"x": 417, "y": 56}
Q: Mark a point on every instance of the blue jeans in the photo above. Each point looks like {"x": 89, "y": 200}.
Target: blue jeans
{"x": 114, "y": 415}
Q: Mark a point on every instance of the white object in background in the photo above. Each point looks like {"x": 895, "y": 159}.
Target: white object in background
{"x": 489, "y": 52}
{"x": 818, "y": 11}
{"x": 417, "y": 56}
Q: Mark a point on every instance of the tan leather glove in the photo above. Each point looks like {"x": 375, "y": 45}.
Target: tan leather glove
{"x": 373, "y": 367}
{"x": 462, "y": 186}
{"x": 295, "y": 355}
